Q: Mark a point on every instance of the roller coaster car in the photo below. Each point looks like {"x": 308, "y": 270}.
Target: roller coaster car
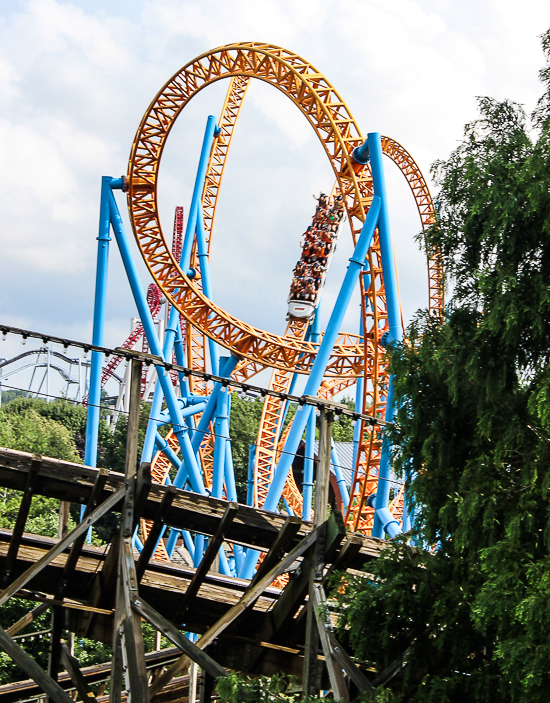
{"x": 304, "y": 309}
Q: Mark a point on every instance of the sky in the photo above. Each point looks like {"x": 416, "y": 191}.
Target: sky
{"x": 76, "y": 78}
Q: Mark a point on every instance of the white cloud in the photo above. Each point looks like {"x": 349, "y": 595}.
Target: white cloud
{"x": 75, "y": 78}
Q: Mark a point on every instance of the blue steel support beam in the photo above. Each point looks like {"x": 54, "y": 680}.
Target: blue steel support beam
{"x": 250, "y": 477}
{"x": 94, "y": 395}
{"x": 204, "y": 265}
{"x": 317, "y": 372}
{"x": 309, "y": 462}
{"x": 394, "y": 324}
{"x": 340, "y": 480}
{"x": 221, "y": 425}
{"x": 197, "y": 190}
{"x": 173, "y": 326}
{"x": 208, "y": 414}
{"x": 180, "y": 428}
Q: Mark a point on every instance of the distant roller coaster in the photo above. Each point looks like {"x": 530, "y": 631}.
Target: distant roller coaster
{"x": 196, "y": 451}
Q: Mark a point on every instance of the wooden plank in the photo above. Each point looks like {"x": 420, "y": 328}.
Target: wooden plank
{"x": 81, "y": 528}
{"x": 311, "y": 670}
{"x": 207, "y": 560}
{"x": 154, "y": 533}
{"x": 55, "y": 642}
{"x": 27, "y": 619}
{"x": 71, "y": 665}
{"x": 26, "y": 689}
{"x": 196, "y": 513}
{"x": 31, "y": 668}
{"x": 248, "y": 598}
{"x": 76, "y": 548}
{"x": 317, "y": 605}
{"x": 281, "y": 545}
{"x": 21, "y": 519}
{"x": 178, "y": 638}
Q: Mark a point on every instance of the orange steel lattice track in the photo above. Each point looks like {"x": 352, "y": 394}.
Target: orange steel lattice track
{"x": 339, "y": 134}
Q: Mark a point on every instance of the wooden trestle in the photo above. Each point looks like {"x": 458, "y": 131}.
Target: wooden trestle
{"x": 245, "y": 626}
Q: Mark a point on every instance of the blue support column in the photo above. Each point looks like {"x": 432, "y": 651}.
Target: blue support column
{"x": 208, "y": 414}
{"x": 394, "y": 323}
{"x": 340, "y": 480}
{"x": 204, "y": 265}
{"x": 173, "y": 327}
{"x": 317, "y": 372}
{"x": 309, "y": 464}
{"x": 197, "y": 190}
{"x": 221, "y": 424}
{"x": 94, "y": 395}
{"x": 250, "y": 477}
{"x": 180, "y": 428}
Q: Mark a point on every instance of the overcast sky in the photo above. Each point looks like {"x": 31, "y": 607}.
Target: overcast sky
{"x": 76, "y": 77}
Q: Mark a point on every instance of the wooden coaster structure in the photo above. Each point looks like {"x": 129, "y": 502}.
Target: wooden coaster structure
{"x": 106, "y": 594}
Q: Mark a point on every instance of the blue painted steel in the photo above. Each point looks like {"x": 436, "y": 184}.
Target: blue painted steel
{"x": 309, "y": 463}
{"x": 357, "y": 428}
{"x": 220, "y": 425}
{"x": 197, "y": 191}
{"x": 388, "y": 522}
{"x": 169, "y": 453}
{"x": 386, "y": 247}
{"x": 208, "y": 414}
{"x": 229, "y": 473}
{"x": 287, "y": 507}
{"x": 221, "y": 430}
{"x": 200, "y": 545}
{"x": 361, "y": 153}
{"x": 179, "y": 353}
{"x": 94, "y": 395}
{"x": 180, "y": 428}
{"x": 323, "y": 355}
{"x": 204, "y": 265}
{"x": 340, "y": 480}
{"x": 250, "y": 477}
{"x": 394, "y": 318}
{"x": 317, "y": 372}
{"x": 117, "y": 183}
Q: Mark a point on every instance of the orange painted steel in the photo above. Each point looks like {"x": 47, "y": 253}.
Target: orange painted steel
{"x": 339, "y": 134}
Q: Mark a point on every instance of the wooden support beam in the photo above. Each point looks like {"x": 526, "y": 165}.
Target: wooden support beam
{"x": 206, "y": 687}
{"x": 77, "y": 545}
{"x": 206, "y": 562}
{"x": 318, "y": 605}
{"x": 77, "y": 677}
{"x": 55, "y": 642}
{"x": 21, "y": 519}
{"x": 154, "y": 533}
{"x": 348, "y": 665}
{"x": 27, "y": 619}
{"x": 178, "y": 638}
{"x": 31, "y": 668}
{"x": 311, "y": 671}
{"x": 249, "y": 597}
{"x": 57, "y": 549}
{"x": 66, "y": 481}
{"x": 281, "y": 545}
{"x": 28, "y": 689}
{"x": 127, "y": 633}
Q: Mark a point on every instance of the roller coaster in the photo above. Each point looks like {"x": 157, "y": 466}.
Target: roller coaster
{"x": 195, "y": 453}
{"x": 185, "y": 556}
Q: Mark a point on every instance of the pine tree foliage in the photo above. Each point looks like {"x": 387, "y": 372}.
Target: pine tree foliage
{"x": 467, "y": 613}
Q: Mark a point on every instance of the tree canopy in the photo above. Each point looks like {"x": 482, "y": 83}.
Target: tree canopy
{"x": 468, "y": 610}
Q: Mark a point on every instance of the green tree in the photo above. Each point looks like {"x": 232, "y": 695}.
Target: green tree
{"x": 469, "y": 611}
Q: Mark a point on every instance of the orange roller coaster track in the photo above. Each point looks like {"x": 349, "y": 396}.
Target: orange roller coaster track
{"x": 330, "y": 118}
